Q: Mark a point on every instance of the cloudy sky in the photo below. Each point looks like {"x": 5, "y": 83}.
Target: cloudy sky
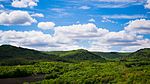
{"x": 95, "y": 25}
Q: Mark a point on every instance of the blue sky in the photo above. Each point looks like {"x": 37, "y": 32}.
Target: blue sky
{"x": 95, "y": 25}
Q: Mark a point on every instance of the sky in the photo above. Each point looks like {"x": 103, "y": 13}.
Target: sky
{"x": 60, "y": 25}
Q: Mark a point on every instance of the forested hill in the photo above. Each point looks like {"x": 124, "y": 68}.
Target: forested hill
{"x": 12, "y": 55}
{"x": 7, "y": 51}
{"x": 17, "y": 55}
{"x": 142, "y": 54}
{"x": 81, "y": 54}
{"x": 112, "y": 55}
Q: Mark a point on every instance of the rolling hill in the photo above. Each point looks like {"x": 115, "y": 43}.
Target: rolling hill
{"x": 111, "y": 55}
{"x": 80, "y": 54}
{"x": 8, "y": 51}
{"x": 142, "y": 54}
{"x": 12, "y": 55}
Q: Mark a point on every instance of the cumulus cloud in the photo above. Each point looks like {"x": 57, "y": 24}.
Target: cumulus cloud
{"x": 141, "y": 26}
{"x": 24, "y": 3}
{"x": 147, "y": 5}
{"x": 80, "y": 31}
{"x": 121, "y": 38}
{"x": 34, "y": 40}
{"x": 37, "y": 15}
{"x": 27, "y": 38}
{"x": 76, "y": 37}
{"x": 16, "y": 18}
{"x": 99, "y": 39}
{"x": 143, "y": 44}
{"x": 46, "y": 25}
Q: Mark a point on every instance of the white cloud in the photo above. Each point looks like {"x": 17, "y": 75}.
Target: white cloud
{"x": 123, "y": 16}
{"x": 147, "y": 5}
{"x": 143, "y": 44}
{"x": 100, "y": 39}
{"x": 84, "y": 7}
{"x": 35, "y": 40}
{"x": 115, "y": 3}
{"x": 110, "y": 5}
{"x": 16, "y": 18}
{"x": 104, "y": 19}
{"x": 1, "y": 6}
{"x": 61, "y": 12}
{"x": 46, "y": 25}
{"x": 140, "y": 26}
{"x": 37, "y": 15}
{"x": 58, "y": 10}
{"x": 80, "y": 31}
{"x": 77, "y": 22}
{"x": 24, "y": 3}
{"x": 121, "y": 38}
{"x": 91, "y": 20}
{"x": 27, "y": 38}
{"x": 118, "y": 0}
{"x": 75, "y": 37}
{"x": 115, "y": 39}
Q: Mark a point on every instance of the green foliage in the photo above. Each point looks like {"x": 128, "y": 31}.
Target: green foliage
{"x": 142, "y": 54}
{"x": 81, "y": 55}
{"x": 86, "y": 72}
{"x": 52, "y": 75}
{"x": 11, "y": 55}
{"x": 111, "y": 55}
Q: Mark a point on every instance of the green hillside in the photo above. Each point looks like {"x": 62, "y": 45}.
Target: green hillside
{"x": 77, "y": 55}
{"x": 11, "y": 55}
{"x": 7, "y": 51}
{"x": 142, "y": 54}
{"x": 111, "y": 55}
{"x": 80, "y": 54}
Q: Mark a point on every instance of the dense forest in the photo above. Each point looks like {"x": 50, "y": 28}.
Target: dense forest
{"x": 74, "y": 67}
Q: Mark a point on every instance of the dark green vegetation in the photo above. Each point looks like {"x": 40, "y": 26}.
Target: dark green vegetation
{"x": 11, "y": 55}
{"x": 142, "y": 54}
{"x": 77, "y": 66}
{"x": 111, "y": 55}
{"x": 77, "y": 55}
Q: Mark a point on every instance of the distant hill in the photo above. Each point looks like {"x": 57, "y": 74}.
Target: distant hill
{"x": 80, "y": 54}
{"x": 140, "y": 54}
{"x": 111, "y": 55}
